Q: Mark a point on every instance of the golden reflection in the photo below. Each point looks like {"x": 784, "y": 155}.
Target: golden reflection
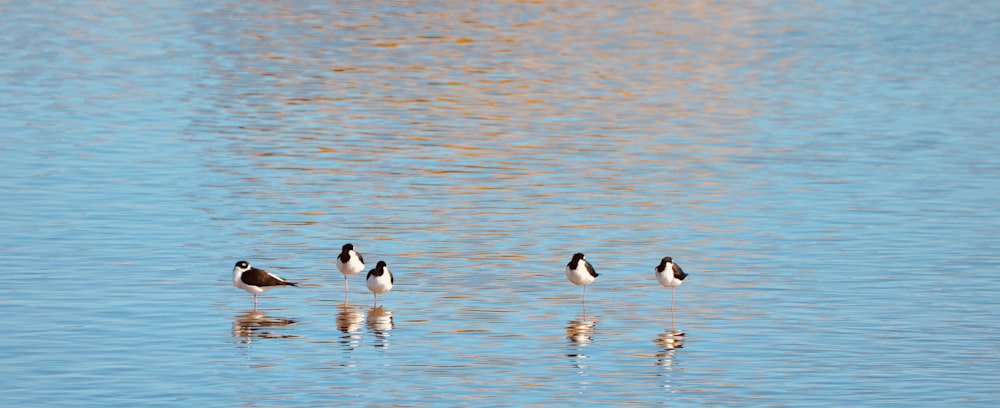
{"x": 255, "y": 324}
{"x": 380, "y": 323}
{"x": 349, "y": 321}
{"x": 694, "y": 62}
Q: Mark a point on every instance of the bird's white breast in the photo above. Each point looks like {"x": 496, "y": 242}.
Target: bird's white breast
{"x": 256, "y": 290}
{"x": 666, "y": 278}
{"x": 379, "y": 284}
{"x": 580, "y": 275}
{"x": 352, "y": 266}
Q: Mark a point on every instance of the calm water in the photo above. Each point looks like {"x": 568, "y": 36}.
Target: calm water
{"x": 825, "y": 172}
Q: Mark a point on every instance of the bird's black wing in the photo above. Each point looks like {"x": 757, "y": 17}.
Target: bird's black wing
{"x": 590, "y": 268}
{"x": 262, "y": 278}
{"x": 678, "y": 272}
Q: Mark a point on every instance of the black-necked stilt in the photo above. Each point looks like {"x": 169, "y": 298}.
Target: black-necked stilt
{"x": 349, "y": 262}
{"x": 379, "y": 280}
{"x": 670, "y": 275}
{"x": 580, "y": 272}
{"x": 256, "y": 281}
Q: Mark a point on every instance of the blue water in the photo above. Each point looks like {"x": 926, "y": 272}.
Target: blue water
{"x": 825, "y": 172}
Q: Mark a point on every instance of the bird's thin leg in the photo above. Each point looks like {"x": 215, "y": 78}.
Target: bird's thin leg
{"x": 672, "y": 307}
{"x": 347, "y": 287}
{"x": 255, "y": 302}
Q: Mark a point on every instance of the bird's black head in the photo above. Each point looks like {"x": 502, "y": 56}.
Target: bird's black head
{"x": 347, "y": 247}
{"x": 577, "y": 257}
{"x": 666, "y": 259}
{"x": 243, "y": 264}
{"x": 379, "y": 270}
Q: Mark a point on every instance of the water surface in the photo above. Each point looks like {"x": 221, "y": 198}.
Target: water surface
{"x": 825, "y": 173}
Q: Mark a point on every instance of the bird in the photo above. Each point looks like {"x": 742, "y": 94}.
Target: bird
{"x": 256, "y": 281}
{"x": 580, "y": 272}
{"x": 670, "y": 275}
{"x": 379, "y": 280}
{"x": 349, "y": 262}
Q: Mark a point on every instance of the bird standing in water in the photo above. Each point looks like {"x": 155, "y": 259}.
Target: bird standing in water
{"x": 256, "y": 281}
{"x": 349, "y": 262}
{"x": 580, "y": 272}
{"x": 379, "y": 280}
{"x": 670, "y": 275}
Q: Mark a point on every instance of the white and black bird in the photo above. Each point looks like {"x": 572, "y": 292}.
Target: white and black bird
{"x": 670, "y": 275}
{"x": 256, "y": 281}
{"x": 349, "y": 262}
{"x": 580, "y": 272}
{"x": 379, "y": 280}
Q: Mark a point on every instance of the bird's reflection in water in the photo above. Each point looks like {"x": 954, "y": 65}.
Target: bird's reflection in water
{"x": 380, "y": 323}
{"x": 669, "y": 342}
{"x": 349, "y": 321}
{"x": 580, "y": 333}
{"x": 257, "y": 324}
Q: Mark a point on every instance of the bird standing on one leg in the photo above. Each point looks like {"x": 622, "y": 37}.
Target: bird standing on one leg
{"x": 580, "y": 272}
{"x": 349, "y": 262}
{"x": 256, "y": 281}
{"x": 379, "y": 280}
{"x": 670, "y": 275}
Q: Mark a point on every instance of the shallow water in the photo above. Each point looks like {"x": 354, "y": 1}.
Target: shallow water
{"x": 825, "y": 173}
